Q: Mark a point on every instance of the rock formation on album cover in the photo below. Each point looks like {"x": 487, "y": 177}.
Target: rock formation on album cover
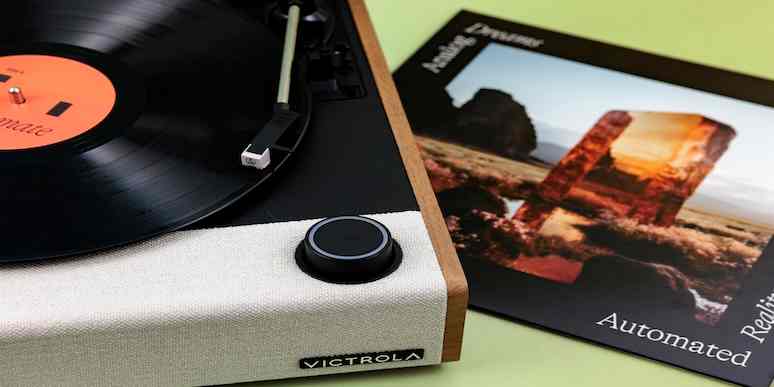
{"x": 491, "y": 120}
{"x": 637, "y": 165}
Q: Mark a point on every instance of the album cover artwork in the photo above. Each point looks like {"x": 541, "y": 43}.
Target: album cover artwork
{"x": 602, "y": 192}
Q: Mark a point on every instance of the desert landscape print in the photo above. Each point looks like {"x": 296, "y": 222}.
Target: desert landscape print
{"x": 603, "y": 181}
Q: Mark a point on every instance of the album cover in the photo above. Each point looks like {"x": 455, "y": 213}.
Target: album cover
{"x": 602, "y": 192}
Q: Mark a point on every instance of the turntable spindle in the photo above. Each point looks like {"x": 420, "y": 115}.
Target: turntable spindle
{"x": 16, "y": 96}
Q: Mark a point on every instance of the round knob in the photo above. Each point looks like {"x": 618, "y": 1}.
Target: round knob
{"x": 349, "y": 250}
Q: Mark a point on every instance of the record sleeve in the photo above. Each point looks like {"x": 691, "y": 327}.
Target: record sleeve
{"x": 602, "y": 192}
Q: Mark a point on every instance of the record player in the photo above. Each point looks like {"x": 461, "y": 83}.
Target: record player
{"x": 200, "y": 192}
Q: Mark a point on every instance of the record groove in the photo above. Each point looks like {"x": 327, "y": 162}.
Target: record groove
{"x": 188, "y": 100}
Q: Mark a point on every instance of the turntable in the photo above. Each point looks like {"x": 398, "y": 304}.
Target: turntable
{"x": 200, "y": 192}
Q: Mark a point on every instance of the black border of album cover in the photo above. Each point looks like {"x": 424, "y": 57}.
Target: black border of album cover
{"x": 558, "y": 306}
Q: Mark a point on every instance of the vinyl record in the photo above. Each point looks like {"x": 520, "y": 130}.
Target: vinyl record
{"x": 128, "y": 119}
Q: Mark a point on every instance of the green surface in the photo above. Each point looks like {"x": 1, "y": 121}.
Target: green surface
{"x": 732, "y": 35}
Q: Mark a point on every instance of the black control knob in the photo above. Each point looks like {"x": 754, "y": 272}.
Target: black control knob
{"x": 348, "y": 250}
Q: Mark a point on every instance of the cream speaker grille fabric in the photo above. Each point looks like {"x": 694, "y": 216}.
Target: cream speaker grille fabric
{"x": 209, "y": 307}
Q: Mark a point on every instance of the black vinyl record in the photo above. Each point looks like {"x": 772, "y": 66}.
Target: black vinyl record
{"x": 133, "y": 119}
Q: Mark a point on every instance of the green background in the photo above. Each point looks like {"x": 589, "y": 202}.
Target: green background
{"x": 732, "y": 35}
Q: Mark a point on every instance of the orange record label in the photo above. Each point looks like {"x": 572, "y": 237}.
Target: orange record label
{"x": 50, "y": 99}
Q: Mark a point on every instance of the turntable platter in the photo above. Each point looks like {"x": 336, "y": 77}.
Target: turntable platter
{"x": 125, "y": 120}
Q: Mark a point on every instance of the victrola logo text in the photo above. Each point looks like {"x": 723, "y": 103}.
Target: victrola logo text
{"x": 362, "y": 358}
